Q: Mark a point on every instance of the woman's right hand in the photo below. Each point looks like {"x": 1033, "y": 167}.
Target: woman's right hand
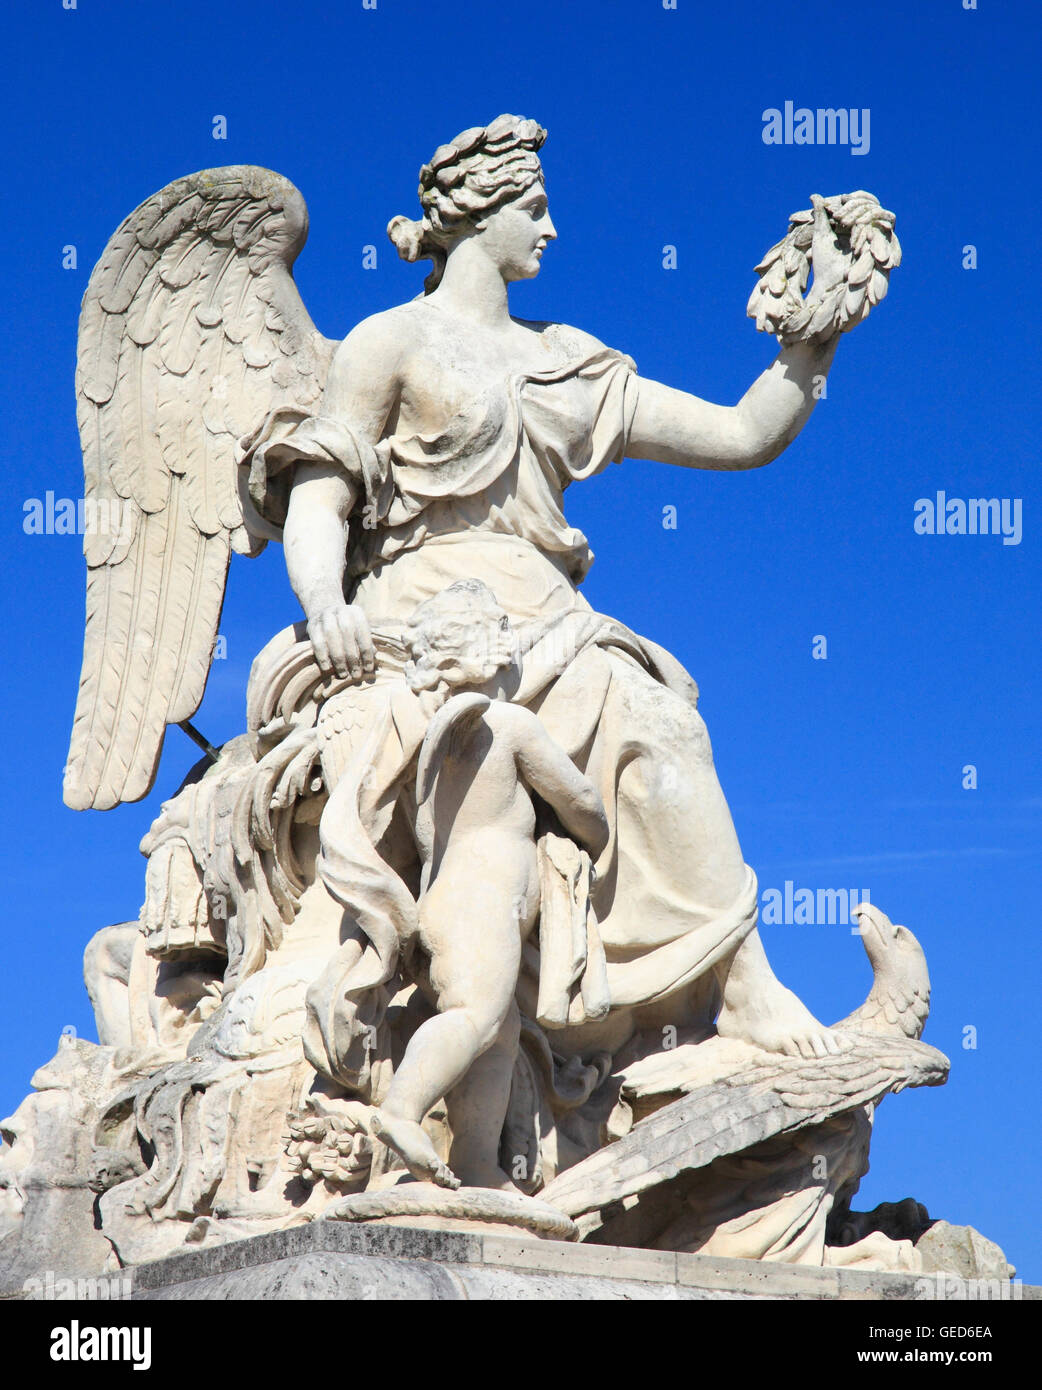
{"x": 342, "y": 642}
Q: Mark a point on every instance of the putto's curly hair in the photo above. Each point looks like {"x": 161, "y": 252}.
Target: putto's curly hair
{"x": 464, "y": 616}
{"x": 465, "y": 181}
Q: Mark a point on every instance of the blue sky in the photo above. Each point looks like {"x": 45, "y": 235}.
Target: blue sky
{"x": 841, "y": 773}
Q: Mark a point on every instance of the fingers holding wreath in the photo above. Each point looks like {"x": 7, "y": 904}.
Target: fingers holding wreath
{"x": 850, "y": 244}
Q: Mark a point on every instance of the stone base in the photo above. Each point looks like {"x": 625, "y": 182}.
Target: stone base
{"x": 480, "y": 1210}
{"x": 334, "y": 1260}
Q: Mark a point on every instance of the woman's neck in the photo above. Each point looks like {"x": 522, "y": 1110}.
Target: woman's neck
{"x": 473, "y": 287}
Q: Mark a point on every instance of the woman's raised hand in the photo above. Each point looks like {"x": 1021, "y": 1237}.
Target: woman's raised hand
{"x": 827, "y": 259}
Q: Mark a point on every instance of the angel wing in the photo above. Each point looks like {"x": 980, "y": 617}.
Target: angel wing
{"x": 191, "y": 332}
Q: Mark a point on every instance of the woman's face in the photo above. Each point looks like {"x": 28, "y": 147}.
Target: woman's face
{"x": 516, "y": 234}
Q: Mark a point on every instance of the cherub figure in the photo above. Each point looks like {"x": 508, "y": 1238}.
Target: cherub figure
{"x": 482, "y": 760}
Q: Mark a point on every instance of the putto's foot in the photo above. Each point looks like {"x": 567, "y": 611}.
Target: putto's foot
{"x": 779, "y": 1022}
{"x": 414, "y": 1148}
{"x": 488, "y": 1175}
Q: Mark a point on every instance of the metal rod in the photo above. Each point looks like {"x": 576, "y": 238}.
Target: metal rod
{"x": 193, "y": 733}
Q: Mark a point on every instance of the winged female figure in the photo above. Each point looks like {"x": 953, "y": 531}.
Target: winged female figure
{"x": 431, "y": 447}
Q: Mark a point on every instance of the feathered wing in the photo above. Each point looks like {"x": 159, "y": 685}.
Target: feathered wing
{"x": 755, "y": 1097}
{"x": 191, "y": 331}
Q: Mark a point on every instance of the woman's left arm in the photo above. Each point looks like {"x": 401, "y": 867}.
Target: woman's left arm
{"x": 675, "y": 427}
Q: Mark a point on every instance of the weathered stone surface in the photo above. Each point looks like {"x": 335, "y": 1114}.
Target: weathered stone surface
{"x": 963, "y": 1251}
{"x": 46, "y": 1166}
{"x": 753, "y": 1099}
{"x": 426, "y": 1204}
{"x": 330, "y": 1261}
{"x": 429, "y": 919}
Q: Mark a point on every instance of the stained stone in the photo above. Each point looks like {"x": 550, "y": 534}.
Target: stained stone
{"x": 457, "y": 931}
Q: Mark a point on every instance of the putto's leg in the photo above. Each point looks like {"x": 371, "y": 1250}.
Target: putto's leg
{"x": 437, "y": 1057}
{"x": 413, "y": 1146}
{"x": 474, "y": 973}
{"x": 477, "y": 1109}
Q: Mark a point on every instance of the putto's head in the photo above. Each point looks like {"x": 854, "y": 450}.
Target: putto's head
{"x": 460, "y": 637}
{"x": 487, "y": 182}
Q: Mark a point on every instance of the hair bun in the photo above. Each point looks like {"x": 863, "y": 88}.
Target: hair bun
{"x": 407, "y": 235}
{"x": 466, "y": 180}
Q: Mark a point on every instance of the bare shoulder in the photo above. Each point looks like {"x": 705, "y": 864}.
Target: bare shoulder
{"x": 382, "y": 341}
{"x": 565, "y": 340}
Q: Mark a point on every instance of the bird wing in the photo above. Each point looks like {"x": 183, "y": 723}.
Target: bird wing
{"x": 752, "y": 1100}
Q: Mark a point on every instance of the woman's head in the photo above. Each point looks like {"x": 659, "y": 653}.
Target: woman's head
{"x": 467, "y": 181}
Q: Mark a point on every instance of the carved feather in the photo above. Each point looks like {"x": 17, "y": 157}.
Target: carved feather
{"x": 754, "y": 1097}
{"x": 181, "y": 351}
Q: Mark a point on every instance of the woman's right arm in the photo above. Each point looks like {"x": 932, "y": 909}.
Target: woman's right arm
{"x": 361, "y": 391}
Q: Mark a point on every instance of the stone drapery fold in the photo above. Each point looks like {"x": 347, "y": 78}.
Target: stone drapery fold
{"x": 501, "y": 466}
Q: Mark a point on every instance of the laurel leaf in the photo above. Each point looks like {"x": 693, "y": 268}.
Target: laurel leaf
{"x": 862, "y": 268}
{"x": 772, "y": 255}
{"x": 878, "y": 286}
{"x": 880, "y": 245}
{"x": 854, "y": 299}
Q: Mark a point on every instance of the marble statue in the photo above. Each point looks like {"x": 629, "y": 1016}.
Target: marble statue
{"x": 461, "y": 918}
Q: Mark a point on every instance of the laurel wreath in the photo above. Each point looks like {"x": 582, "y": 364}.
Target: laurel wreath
{"x": 864, "y": 234}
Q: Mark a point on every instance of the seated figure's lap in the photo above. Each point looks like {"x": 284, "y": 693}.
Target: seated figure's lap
{"x": 675, "y": 860}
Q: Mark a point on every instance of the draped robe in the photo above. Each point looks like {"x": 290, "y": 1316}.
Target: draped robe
{"x": 484, "y": 499}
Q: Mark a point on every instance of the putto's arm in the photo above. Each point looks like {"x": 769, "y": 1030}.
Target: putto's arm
{"x": 676, "y": 427}
{"x": 551, "y": 774}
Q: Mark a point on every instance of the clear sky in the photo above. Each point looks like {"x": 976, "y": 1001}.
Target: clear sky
{"x": 843, "y": 773}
